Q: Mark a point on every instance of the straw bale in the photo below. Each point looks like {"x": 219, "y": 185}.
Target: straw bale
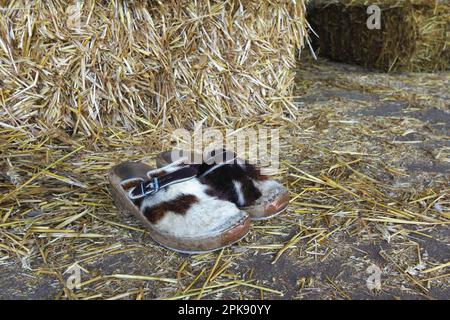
{"x": 413, "y": 34}
{"x": 79, "y": 65}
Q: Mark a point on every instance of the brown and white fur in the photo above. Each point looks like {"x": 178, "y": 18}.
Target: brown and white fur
{"x": 235, "y": 180}
{"x": 188, "y": 209}
{"x": 244, "y": 185}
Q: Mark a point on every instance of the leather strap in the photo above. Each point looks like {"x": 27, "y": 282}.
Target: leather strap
{"x": 154, "y": 184}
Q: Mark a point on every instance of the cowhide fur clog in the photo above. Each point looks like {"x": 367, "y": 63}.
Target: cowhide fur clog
{"x": 236, "y": 180}
{"x": 180, "y": 212}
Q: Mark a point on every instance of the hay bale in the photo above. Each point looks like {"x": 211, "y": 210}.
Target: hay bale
{"x": 413, "y": 34}
{"x": 132, "y": 63}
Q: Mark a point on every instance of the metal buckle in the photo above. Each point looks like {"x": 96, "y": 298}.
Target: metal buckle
{"x": 146, "y": 188}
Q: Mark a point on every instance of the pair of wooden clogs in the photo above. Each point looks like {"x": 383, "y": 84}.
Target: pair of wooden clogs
{"x": 200, "y": 207}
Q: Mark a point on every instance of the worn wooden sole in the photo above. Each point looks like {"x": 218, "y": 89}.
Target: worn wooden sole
{"x": 271, "y": 209}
